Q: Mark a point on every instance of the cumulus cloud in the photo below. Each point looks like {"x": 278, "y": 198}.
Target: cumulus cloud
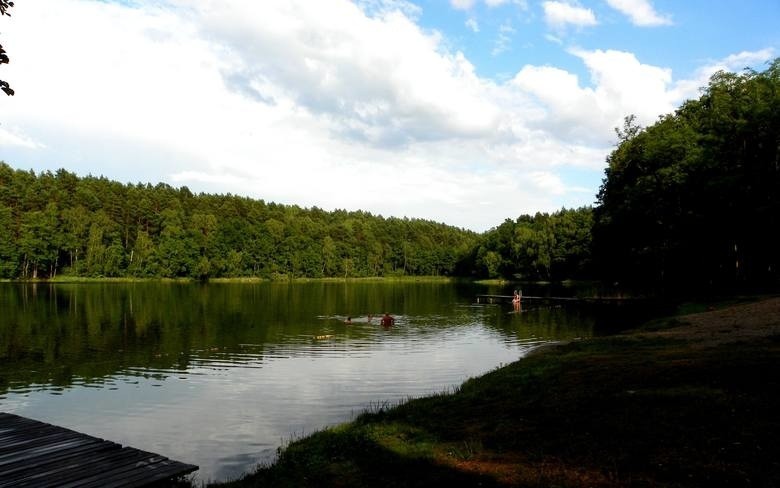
{"x": 620, "y": 85}
{"x": 640, "y": 12}
{"x": 376, "y": 79}
{"x": 472, "y": 24}
{"x": 561, "y": 14}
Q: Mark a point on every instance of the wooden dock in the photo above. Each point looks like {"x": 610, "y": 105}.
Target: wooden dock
{"x": 37, "y": 454}
{"x": 526, "y": 298}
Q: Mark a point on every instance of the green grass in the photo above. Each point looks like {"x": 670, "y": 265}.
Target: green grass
{"x": 493, "y": 282}
{"x": 615, "y": 411}
{"x": 120, "y": 279}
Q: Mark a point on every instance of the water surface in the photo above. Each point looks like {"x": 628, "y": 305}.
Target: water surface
{"x": 220, "y": 375}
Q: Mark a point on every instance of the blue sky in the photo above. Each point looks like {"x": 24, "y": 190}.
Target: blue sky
{"x": 699, "y": 31}
{"x": 461, "y": 111}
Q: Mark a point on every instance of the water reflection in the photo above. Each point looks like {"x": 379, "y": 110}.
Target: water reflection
{"x": 219, "y": 375}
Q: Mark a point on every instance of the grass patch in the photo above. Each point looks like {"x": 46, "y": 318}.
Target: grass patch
{"x": 493, "y": 282}
{"x": 102, "y": 279}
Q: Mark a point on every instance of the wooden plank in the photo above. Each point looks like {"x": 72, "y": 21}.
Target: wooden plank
{"x": 77, "y": 471}
{"x": 19, "y": 443}
{"x": 120, "y": 470}
{"x": 170, "y": 469}
{"x": 161, "y": 470}
{"x": 563, "y": 299}
{"x": 38, "y": 454}
{"x": 28, "y": 430}
{"x": 22, "y": 470}
{"x": 47, "y": 457}
{"x": 39, "y": 450}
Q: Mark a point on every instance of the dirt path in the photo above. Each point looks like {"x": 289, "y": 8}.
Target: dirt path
{"x": 737, "y": 323}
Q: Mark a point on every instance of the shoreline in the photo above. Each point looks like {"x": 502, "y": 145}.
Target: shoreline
{"x": 253, "y": 279}
{"x": 687, "y": 400}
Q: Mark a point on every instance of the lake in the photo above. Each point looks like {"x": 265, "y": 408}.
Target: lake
{"x": 220, "y": 375}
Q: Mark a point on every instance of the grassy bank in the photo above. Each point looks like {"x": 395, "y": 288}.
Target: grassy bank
{"x": 688, "y": 401}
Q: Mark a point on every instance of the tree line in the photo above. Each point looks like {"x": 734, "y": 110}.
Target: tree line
{"x": 694, "y": 199}
{"x": 54, "y": 223}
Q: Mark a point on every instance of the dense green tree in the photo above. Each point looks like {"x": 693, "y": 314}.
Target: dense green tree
{"x": 39, "y": 242}
{"x": 140, "y": 261}
{"x": 92, "y": 226}
{"x": 695, "y": 198}
{"x": 9, "y": 253}
{"x": 544, "y": 246}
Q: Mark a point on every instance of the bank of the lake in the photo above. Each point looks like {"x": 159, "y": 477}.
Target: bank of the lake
{"x": 685, "y": 401}
{"x": 243, "y": 279}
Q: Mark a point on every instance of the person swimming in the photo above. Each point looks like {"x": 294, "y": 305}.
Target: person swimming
{"x": 388, "y": 320}
{"x": 516, "y": 300}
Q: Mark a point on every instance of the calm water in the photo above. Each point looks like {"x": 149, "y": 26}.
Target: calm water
{"x": 220, "y": 375}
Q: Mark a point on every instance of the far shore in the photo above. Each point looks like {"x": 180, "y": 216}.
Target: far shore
{"x": 288, "y": 279}
{"x": 238, "y": 279}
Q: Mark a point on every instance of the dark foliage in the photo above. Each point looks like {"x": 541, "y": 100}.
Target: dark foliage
{"x": 694, "y": 199}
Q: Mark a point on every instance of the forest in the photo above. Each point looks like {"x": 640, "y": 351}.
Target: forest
{"x": 63, "y": 224}
{"x": 693, "y": 199}
{"x": 60, "y": 224}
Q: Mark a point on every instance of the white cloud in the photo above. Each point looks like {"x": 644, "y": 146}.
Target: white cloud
{"x": 472, "y": 24}
{"x": 560, "y": 14}
{"x": 640, "y": 12}
{"x": 620, "y": 85}
{"x": 504, "y": 39}
{"x": 552, "y": 38}
{"x": 689, "y": 88}
{"x": 741, "y": 60}
{"x": 468, "y": 4}
{"x": 10, "y": 138}
{"x": 376, "y": 7}
{"x": 462, "y": 4}
{"x": 547, "y": 182}
{"x": 379, "y": 80}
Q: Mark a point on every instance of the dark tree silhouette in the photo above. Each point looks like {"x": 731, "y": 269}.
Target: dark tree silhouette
{"x": 694, "y": 199}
